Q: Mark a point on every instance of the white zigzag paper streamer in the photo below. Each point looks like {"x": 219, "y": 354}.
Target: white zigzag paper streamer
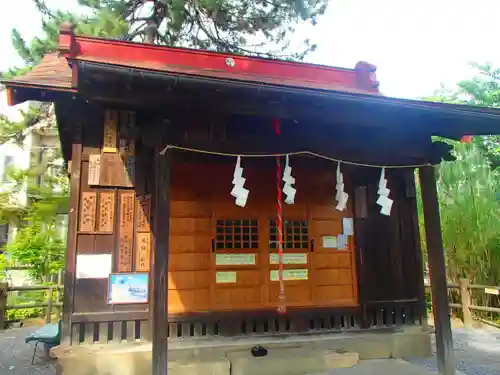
{"x": 341, "y": 197}
{"x": 383, "y": 200}
{"x": 288, "y": 188}
{"x": 239, "y": 192}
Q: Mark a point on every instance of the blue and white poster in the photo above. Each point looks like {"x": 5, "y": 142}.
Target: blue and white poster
{"x": 128, "y": 288}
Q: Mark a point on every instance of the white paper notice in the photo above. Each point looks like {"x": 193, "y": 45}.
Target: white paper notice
{"x": 348, "y": 226}
{"x": 329, "y": 242}
{"x": 93, "y": 266}
{"x": 341, "y": 241}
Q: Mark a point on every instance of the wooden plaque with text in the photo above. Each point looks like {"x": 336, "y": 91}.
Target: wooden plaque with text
{"x": 88, "y": 212}
{"x": 143, "y": 214}
{"x": 143, "y": 249}
{"x": 106, "y": 211}
{"x": 126, "y": 231}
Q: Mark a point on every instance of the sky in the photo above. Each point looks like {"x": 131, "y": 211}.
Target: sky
{"x": 417, "y": 45}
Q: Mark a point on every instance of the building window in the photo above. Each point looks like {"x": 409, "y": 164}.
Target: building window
{"x": 237, "y": 234}
{"x": 296, "y": 234}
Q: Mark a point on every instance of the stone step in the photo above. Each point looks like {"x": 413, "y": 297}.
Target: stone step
{"x": 290, "y": 361}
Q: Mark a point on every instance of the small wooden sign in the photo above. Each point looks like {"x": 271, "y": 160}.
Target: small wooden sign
{"x": 110, "y": 132}
{"x": 143, "y": 214}
{"x": 94, "y": 169}
{"x": 106, "y": 211}
{"x": 114, "y": 172}
{"x": 88, "y": 212}
{"x": 126, "y": 232}
{"x": 142, "y": 251}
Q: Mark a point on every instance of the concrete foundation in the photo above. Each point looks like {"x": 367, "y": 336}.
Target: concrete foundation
{"x": 293, "y": 355}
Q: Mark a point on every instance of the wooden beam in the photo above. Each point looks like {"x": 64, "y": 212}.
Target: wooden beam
{"x": 160, "y": 263}
{"x": 437, "y": 270}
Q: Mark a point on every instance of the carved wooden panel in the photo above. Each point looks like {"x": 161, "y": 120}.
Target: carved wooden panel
{"x": 113, "y": 171}
{"x": 88, "y": 212}
{"x": 106, "y": 211}
{"x": 125, "y": 239}
{"x": 142, "y": 251}
{"x": 143, "y": 214}
{"x": 94, "y": 169}
{"x": 110, "y": 131}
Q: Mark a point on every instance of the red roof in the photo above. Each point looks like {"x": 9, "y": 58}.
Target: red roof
{"x": 54, "y": 71}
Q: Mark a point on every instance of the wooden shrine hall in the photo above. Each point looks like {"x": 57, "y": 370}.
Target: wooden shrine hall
{"x": 222, "y": 206}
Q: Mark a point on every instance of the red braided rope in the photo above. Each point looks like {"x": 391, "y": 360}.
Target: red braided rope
{"x": 279, "y": 222}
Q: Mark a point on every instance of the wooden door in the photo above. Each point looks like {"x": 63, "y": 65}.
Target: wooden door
{"x": 189, "y": 272}
{"x": 333, "y": 266}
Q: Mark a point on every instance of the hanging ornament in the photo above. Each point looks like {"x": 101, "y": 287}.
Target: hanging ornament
{"x": 288, "y": 188}
{"x": 341, "y": 196}
{"x": 239, "y": 192}
{"x": 383, "y": 200}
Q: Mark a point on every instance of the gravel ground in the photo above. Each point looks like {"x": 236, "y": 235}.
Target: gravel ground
{"x": 15, "y": 354}
{"x": 477, "y": 352}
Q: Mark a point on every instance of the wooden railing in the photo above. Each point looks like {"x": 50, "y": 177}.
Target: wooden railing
{"x": 50, "y": 303}
{"x": 466, "y": 306}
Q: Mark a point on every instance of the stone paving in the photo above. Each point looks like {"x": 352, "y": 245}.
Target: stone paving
{"x": 477, "y": 352}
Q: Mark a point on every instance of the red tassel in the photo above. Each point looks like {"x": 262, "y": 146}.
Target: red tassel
{"x": 466, "y": 139}
{"x": 276, "y": 124}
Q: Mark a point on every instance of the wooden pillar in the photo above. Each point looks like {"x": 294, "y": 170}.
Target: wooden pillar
{"x": 437, "y": 268}
{"x": 73, "y": 209}
{"x": 160, "y": 261}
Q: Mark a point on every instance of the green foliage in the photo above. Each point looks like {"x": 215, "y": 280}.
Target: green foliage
{"x": 19, "y": 298}
{"x": 470, "y": 215}
{"x": 40, "y": 248}
{"x": 482, "y": 90}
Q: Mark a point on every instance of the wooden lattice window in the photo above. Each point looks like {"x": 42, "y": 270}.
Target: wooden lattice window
{"x": 296, "y": 234}
{"x": 237, "y": 234}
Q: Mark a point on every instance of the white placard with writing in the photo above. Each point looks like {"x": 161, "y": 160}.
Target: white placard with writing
{"x": 329, "y": 242}
{"x": 491, "y": 291}
{"x": 93, "y": 266}
{"x": 288, "y": 275}
{"x": 225, "y": 277}
{"x": 235, "y": 259}
{"x": 296, "y": 258}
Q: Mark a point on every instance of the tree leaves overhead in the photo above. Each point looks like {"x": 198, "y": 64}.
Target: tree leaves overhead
{"x": 482, "y": 90}
{"x": 258, "y": 27}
